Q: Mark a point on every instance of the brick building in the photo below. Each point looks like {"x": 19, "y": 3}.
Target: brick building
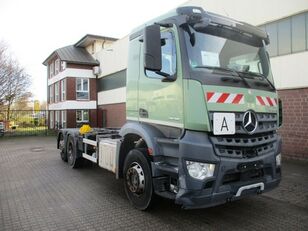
{"x": 71, "y": 75}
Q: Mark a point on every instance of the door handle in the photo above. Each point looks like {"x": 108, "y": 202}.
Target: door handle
{"x": 143, "y": 113}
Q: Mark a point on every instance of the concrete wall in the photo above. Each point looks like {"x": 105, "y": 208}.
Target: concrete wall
{"x": 113, "y": 58}
{"x": 290, "y": 71}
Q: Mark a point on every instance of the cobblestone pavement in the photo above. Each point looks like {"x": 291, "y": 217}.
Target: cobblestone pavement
{"x": 40, "y": 192}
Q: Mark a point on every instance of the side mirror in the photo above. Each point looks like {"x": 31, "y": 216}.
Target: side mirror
{"x": 268, "y": 57}
{"x": 152, "y": 48}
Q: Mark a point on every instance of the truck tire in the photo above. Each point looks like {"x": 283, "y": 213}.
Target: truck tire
{"x": 71, "y": 150}
{"x": 138, "y": 179}
{"x": 62, "y": 148}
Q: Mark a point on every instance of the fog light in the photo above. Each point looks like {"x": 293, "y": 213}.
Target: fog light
{"x": 278, "y": 160}
{"x": 199, "y": 170}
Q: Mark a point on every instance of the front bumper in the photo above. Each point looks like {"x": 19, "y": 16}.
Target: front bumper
{"x": 205, "y": 198}
{"x": 230, "y": 179}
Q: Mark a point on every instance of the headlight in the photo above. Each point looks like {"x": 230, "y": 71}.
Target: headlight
{"x": 199, "y": 170}
{"x": 278, "y": 160}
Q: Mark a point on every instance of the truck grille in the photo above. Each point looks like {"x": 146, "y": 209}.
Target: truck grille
{"x": 242, "y": 145}
{"x": 266, "y": 122}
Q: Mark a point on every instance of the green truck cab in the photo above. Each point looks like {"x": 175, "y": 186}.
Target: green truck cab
{"x": 202, "y": 114}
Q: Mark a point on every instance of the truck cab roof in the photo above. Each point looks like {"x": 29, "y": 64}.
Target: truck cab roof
{"x": 194, "y": 14}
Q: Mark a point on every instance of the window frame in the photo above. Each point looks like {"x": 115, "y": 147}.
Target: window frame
{"x": 57, "y": 119}
{"x": 284, "y": 39}
{"x": 57, "y": 95}
{"x": 57, "y": 66}
{"x": 63, "y": 90}
{"x": 63, "y": 65}
{"x": 51, "y": 119}
{"x": 82, "y": 116}
{"x": 296, "y": 29}
{"x": 148, "y": 73}
{"x": 293, "y": 29}
{"x": 51, "y": 94}
{"x": 82, "y": 90}
{"x": 51, "y": 69}
{"x": 63, "y": 119}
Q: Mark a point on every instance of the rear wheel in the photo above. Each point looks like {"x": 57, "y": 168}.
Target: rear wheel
{"x": 62, "y": 148}
{"x": 138, "y": 179}
{"x": 71, "y": 150}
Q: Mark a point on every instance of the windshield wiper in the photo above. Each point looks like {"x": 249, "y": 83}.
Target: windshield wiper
{"x": 260, "y": 75}
{"x": 234, "y": 72}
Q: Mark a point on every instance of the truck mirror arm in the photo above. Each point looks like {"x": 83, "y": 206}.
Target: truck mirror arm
{"x": 167, "y": 25}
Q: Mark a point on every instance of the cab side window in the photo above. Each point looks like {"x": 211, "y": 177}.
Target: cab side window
{"x": 168, "y": 51}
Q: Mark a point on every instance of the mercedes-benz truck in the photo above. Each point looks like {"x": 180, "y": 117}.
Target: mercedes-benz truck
{"x": 202, "y": 114}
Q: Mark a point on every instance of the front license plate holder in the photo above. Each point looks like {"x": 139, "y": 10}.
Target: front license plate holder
{"x": 223, "y": 123}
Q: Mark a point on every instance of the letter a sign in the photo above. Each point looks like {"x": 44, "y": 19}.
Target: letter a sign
{"x": 224, "y": 123}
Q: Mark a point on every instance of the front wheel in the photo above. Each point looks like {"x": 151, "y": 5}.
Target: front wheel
{"x": 138, "y": 180}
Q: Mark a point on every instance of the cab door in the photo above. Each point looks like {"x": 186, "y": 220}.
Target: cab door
{"x": 161, "y": 101}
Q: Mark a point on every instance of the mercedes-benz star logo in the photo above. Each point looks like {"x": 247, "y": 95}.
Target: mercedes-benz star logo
{"x": 250, "y": 122}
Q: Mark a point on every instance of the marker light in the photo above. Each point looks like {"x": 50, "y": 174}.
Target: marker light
{"x": 278, "y": 160}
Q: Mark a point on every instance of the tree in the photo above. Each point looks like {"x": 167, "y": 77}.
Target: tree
{"x": 43, "y": 105}
{"x": 24, "y": 102}
{"x": 14, "y": 81}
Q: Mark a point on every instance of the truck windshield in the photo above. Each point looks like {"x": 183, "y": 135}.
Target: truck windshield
{"x": 218, "y": 51}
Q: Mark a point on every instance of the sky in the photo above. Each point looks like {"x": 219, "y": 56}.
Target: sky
{"x": 33, "y": 29}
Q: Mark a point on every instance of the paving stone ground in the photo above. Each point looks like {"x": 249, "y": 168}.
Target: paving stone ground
{"x": 40, "y": 192}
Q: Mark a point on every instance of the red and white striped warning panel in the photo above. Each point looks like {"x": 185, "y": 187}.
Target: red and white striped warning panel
{"x": 266, "y": 101}
{"x": 229, "y": 98}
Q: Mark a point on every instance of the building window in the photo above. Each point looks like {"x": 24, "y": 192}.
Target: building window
{"x": 298, "y": 33}
{"x": 271, "y": 29}
{"x": 51, "y": 69}
{"x": 82, "y": 116}
{"x": 284, "y": 37}
{"x": 63, "y": 65}
{"x": 57, "y": 66}
{"x": 51, "y": 119}
{"x": 57, "y": 119}
{"x": 56, "y": 92}
{"x": 51, "y": 94}
{"x": 288, "y": 35}
{"x": 63, "y": 119}
{"x": 63, "y": 90}
{"x": 82, "y": 89}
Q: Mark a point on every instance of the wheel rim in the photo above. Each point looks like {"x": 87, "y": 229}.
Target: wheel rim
{"x": 135, "y": 179}
{"x": 70, "y": 154}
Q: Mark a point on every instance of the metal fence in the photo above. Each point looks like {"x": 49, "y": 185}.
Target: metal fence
{"x": 23, "y": 123}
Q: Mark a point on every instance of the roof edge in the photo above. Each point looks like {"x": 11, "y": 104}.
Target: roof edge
{"x": 49, "y": 57}
{"x": 80, "y": 41}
